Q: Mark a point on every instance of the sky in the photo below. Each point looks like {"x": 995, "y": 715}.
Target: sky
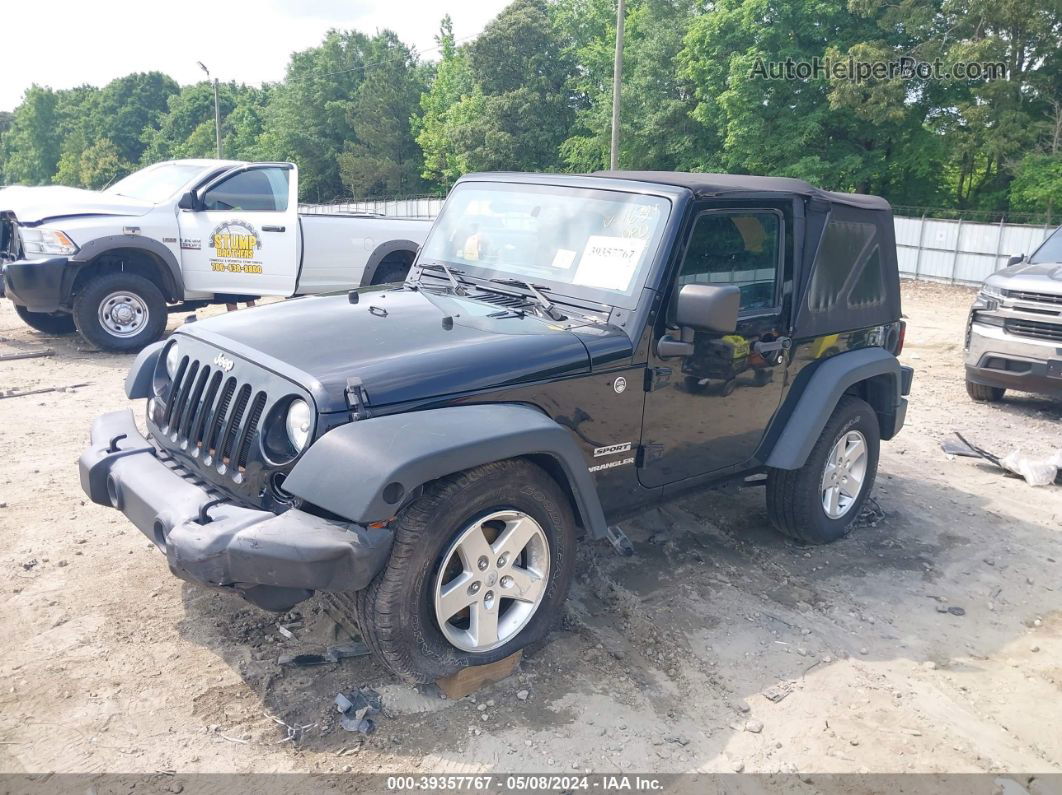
{"x": 64, "y": 43}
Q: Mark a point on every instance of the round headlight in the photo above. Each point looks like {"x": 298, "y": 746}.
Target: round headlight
{"x": 298, "y": 424}
{"x": 173, "y": 360}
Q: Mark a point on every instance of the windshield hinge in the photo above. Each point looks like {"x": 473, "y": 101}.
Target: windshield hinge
{"x": 656, "y": 377}
{"x": 357, "y": 400}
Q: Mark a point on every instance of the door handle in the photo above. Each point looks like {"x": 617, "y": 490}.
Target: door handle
{"x": 272, "y": 228}
{"x": 773, "y": 350}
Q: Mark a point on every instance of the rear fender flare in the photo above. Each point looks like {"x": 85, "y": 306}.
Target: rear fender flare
{"x": 819, "y": 396}
{"x": 364, "y": 471}
{"x": 381, "y": 252}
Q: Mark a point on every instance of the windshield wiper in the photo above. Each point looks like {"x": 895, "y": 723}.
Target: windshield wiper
{"x": 458, "y": 288}
{"x": 536, "y": 292}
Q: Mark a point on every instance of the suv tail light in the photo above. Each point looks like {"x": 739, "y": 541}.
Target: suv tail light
{"x": 900, "y": 337}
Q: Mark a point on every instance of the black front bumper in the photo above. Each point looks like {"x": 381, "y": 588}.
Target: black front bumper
{"x": 40, "y": 285}
{"x": 273, "y": 561}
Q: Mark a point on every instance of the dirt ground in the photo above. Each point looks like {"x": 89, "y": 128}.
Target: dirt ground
{"x": 928, "y": 642}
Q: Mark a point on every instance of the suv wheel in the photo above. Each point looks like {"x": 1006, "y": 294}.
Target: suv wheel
{"x": 984, "y": 394}
{"x": 48, "y": 322}
{"x": 120, "y": 312}
{"x": 481, "y": 564}
{"x": 819, "y": 502}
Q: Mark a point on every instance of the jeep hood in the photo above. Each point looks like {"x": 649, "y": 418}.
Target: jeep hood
{"x": 1039, "y": 277}
{"x": 33, "y": 205}
{"x": 401, "y": 344}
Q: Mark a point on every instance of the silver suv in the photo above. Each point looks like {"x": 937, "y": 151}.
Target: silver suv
{"x": 1014, "y": 334}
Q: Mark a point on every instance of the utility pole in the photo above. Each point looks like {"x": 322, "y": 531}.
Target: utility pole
{"x": 217, "y": 108}
{"x": 617, "y": 79}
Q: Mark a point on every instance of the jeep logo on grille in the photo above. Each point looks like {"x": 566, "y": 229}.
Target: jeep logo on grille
{"x": 224, "y": 363}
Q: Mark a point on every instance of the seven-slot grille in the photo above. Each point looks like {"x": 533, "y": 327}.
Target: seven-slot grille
{"x": 213, "y": 415}
{"x": 1034, "y": 329}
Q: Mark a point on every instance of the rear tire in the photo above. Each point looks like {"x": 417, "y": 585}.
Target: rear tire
{"x": 57, "y": 323}
{"x": 797, "y": 499}
{"x": 984, "y": 394}
{"x": 398, "y": 613}
{"x": 120, "y": 312}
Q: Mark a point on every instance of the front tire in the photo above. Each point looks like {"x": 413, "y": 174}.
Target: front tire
{"x": 480, "y": 567}
{"x": 984, "y": 394}
{"x": 820, "y": 502}
{"x": 57, "y": 323}
{"x": 120, "y": 312}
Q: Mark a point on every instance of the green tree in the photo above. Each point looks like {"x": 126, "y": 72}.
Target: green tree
{"x": 657, "y": 131}
{"x": 383, "y": 159}
{"x": 131, "y": 105}
{"x": 30, "y": 147}
{"x": 307, "y": 120}
{"x": 444, "y": 109}
{"x": 521, "y": 66}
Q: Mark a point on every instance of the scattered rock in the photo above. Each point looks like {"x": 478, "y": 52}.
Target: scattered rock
{"x": 523, "y": 694}
{"x": 754, "y": 726}
{"x": 737, "y": 765}
{"x": 1034, "y": 648}
{"x": 956, "y": 611}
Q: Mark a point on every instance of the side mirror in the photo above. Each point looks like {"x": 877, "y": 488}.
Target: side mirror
{"x": 1016, "y": 260}
{"x": 708, "y": 307}
{"x": 188, "y": 201}
{"x": 701, "y": 307}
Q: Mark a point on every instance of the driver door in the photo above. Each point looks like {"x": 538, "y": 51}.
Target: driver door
{"x": 242, "y": 238}
{"x": 709, "y": 410}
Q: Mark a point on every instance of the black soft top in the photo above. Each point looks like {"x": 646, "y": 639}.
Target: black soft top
{"x": 710, "y": 185}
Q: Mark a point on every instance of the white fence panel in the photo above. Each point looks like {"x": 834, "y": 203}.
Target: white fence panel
{"x": 961, "y": 252}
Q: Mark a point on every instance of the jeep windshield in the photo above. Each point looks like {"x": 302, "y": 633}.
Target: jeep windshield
{"x": 588, "y": 244}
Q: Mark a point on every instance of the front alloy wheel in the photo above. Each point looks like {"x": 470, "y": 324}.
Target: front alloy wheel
{"x": 491, "y": 581}
{"x": 480, "y": 567}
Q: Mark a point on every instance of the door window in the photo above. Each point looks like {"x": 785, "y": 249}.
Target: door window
{"x": 736, "y": 248}
{"x": 256, "y": 190}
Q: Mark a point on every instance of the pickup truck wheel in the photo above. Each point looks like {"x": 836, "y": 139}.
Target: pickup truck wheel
{"x": 48, "y": 322}
{"x": 120, "y": 312}
{"x": 819, "y": 502}
{"x": 481, "y": 564}
{"x": 984, "y": 394}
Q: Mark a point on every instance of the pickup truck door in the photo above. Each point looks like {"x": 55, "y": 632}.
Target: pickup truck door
{"x": 241, "y": 237}
{"x": 708, "y": 411}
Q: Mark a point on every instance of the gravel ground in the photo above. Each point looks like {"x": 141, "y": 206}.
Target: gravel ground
{"x": 927, "y": 642}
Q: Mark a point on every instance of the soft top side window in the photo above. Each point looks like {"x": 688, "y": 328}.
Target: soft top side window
{"x": 254, "y": 190}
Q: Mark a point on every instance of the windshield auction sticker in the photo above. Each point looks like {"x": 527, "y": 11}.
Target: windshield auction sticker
{"x": 235, "y": 245}
{"x": 609, "y": 262}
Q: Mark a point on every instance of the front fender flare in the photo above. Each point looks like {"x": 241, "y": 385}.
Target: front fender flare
{"x": 364, "y": 470}
{"x": 819, "y": 395}
{"x": 174, "y": 279}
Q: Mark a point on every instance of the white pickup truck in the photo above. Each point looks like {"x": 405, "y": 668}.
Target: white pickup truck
{"x": 177, "y": 235}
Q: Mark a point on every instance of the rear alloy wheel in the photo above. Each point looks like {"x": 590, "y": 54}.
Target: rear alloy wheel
{"x": 820, "y": 502}
{"x": 480, "y": 567}
{"x": 57, "y": 323}
{"x": 984, "y": 394}
{"x": 120, "y": 312}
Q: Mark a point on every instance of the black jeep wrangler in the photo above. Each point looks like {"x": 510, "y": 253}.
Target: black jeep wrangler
{"x": 566, "y": 351}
